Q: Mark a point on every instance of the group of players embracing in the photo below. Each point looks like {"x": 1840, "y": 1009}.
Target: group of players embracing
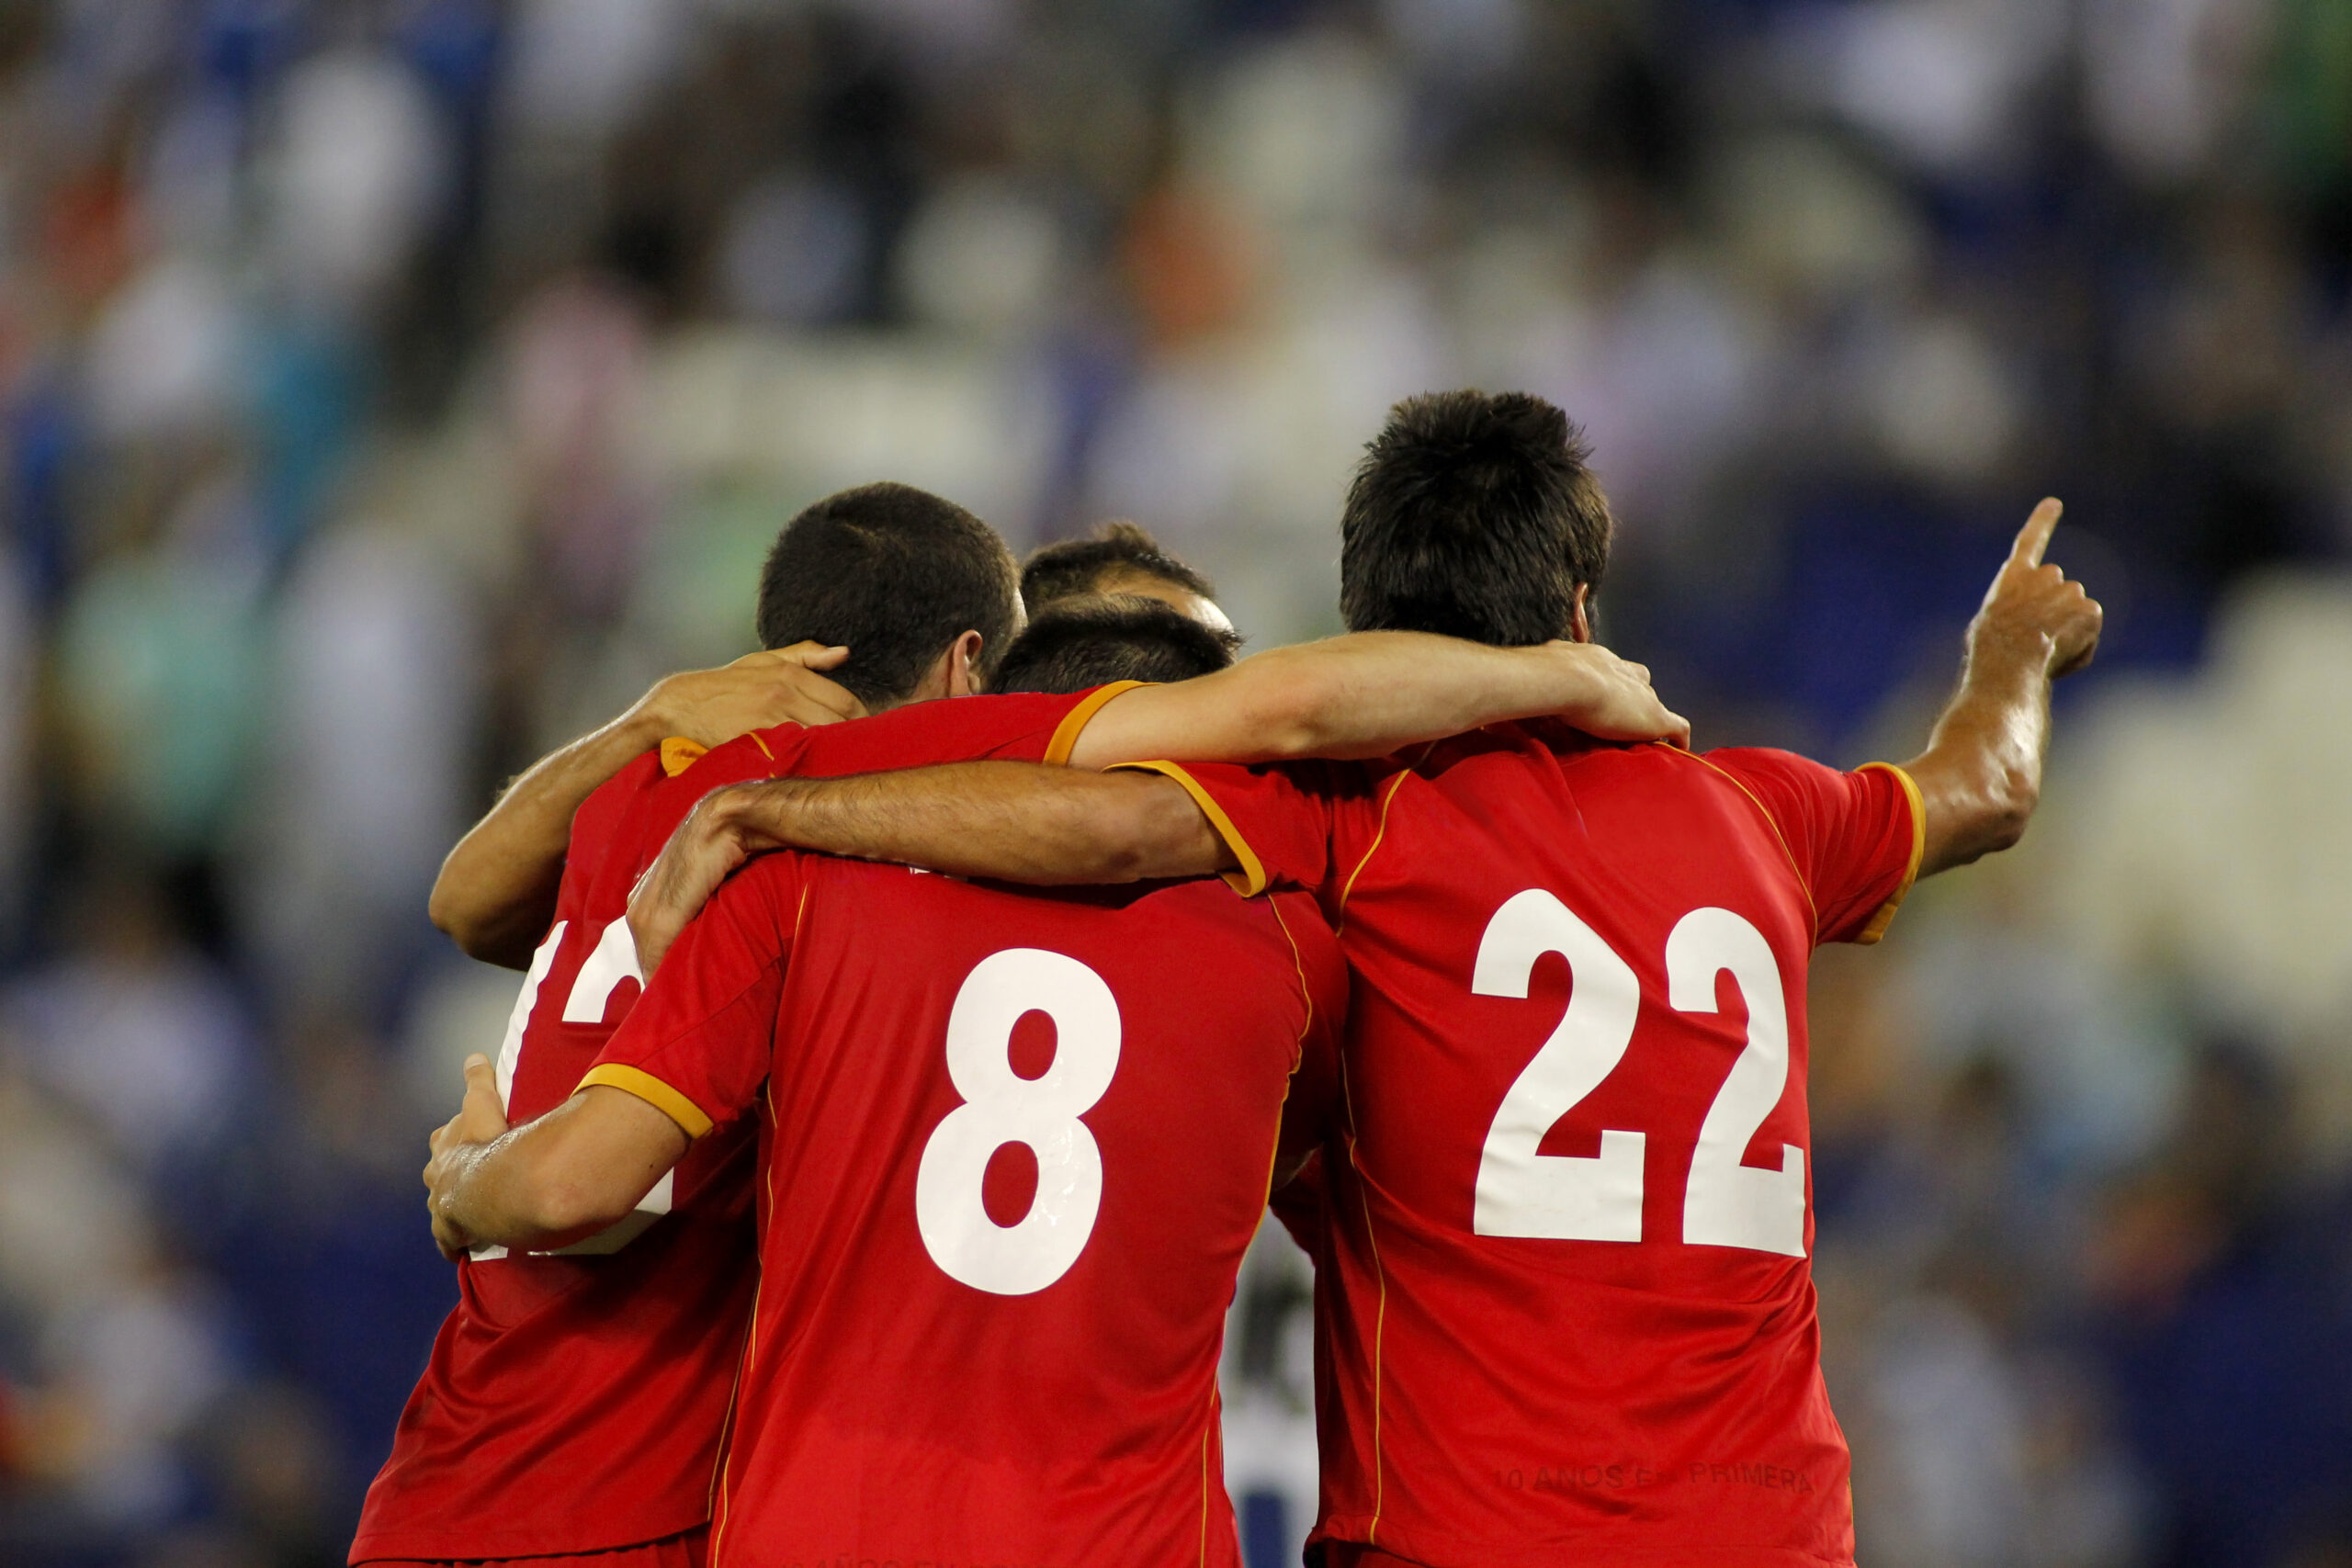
{"x": 888, "y": 1104}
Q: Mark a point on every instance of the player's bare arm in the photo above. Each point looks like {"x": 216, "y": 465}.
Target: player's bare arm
{"x": 1369, "y": 693}
{"x": 1364, "y": 695}
{"x": 1980, "y": 777}
{"x": 1013, "y": 821}
{"x": 568, "y": 1175}
{"x": 496, "y": 891}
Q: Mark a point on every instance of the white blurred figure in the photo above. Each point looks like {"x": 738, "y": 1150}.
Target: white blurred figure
{"x": 1945, "y": 1485}
{"x": 1939, "y": 400}
{"x": 581, "y": 67}
{"x": 161, "y": 360}
{"x": 379, "y": 675}
{"x": 360, "y": 167}
{"x": 1304, "y": 131}
{"x": 1266, "y": 1386}
{"x": 126, "y": 1353}
{"x": 983, "y": 258}
{"x": 2164, "y": 80}
{"x": 1941, "y": 83}
{"x": 138, "y": 1368}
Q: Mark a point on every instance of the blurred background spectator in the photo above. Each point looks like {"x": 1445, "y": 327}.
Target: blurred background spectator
{"x": 392, "y": 389}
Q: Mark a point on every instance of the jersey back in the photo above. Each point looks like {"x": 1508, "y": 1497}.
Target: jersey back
{"x": 1565, "y": 1312}
{"x": 576, "y": 1401}
{"x": 1015, "y": 1147}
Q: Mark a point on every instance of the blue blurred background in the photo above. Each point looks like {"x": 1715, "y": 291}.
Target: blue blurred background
{"x": 392, "y": 389}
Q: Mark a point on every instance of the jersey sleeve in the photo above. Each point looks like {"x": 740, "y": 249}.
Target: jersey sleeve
{"x": 1855, "y": 838}
{"x": 1275, "y": 817}
{"x": 1025, "y": 727}
{"x": 698, "y": 1042}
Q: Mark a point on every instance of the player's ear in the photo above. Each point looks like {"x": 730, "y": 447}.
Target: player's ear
{"x": 963, "y": 665}
{"x": 1580, "y": 623}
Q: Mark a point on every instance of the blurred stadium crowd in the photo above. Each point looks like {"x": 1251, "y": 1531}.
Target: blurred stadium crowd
{"x": 392, "y": 389}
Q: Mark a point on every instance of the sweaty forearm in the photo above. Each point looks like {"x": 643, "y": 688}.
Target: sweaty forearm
{"x": 1012, "y": 821}
{"x": 496, "y": 891}
{"x": 560, "y": 1179}
{"x": 1980, "y": 777}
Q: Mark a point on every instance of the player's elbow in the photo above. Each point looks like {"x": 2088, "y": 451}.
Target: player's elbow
{"x": 454, "y": 916}
{"x": 1299, "y": 709}
{"x": 1141, "y": 828}
{"x": 482, "y": 928}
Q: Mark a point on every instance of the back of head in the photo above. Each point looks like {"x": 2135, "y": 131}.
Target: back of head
{"x": 895, "y": 574}
{"x": 1107, "y": 561}
{"x": 1473, "y": 516}
{"x": 1082, "y": 642}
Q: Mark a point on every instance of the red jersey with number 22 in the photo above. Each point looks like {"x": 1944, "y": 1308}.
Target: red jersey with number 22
{"x": 1564, "y": 1311}
{"x": 1014, "y": 1146}
{"x": 576, "y": 1401}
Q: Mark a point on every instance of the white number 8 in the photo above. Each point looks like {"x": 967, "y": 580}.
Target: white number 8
{"x": 1001, "y": 1106}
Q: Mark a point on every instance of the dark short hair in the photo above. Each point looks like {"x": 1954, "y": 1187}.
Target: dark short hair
{"x": 1070, "y": 567}
{"x": 1473, "y": 516}
{"x": 1091, "y": 641}
{"x": 896, "y": 575}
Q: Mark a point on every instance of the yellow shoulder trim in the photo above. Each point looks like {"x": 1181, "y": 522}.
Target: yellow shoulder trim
{"x": 678, "y": 754}
{"x": 653, "y": 1092}
{"x": 1074, "y": 722}
{"x": 1250, "y": 880}
{"x": 1886, "y": 916}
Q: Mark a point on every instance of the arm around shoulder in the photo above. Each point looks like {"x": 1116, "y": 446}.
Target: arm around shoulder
{"x": 1369, "y": 693}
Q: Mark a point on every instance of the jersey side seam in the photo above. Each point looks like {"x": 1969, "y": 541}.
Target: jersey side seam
{"x": 1379, "y": 838}
{"x": 722, "y": 1512}
{"x": 1380, "y": 1316}
{"x": 1305, "y": 992}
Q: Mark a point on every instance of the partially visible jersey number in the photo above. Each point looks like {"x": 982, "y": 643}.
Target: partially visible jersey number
{"x": 611, "y": 961}
{"x": 1523, "y": 1192}
{"x": 1001, "y": 1106}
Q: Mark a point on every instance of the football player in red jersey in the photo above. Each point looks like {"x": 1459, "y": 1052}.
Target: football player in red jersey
{"x": 1565, "y": 1312}
{"x": 496, "y": 892}
{"x": 568, "y": 1410}
{"x": 855, "y": 968}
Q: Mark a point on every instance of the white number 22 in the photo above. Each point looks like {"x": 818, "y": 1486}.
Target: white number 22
{"x": 1523, "y": 1192}
{"x": 1001, "y": 1106}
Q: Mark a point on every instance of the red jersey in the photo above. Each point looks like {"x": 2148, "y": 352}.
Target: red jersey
{"x": 575, "y": 1402}
{"x": 1564, "y": 1309}
{"x": 1013, "y": 1147}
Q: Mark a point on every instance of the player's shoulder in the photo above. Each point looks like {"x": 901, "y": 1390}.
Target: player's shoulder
{"x": 610, "y": 803}
{"x": 1766, "y": 766}
{"x": 755, "y": 754}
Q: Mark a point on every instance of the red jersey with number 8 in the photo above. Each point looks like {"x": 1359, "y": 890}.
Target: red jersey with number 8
{"x": 1565, "y": 1312}
{"x": 577, "y": 1402}
{"x": 1014, "y": 1146}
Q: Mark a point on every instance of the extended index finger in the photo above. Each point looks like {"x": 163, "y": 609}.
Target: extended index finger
{"x": 2034, "y": 538}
